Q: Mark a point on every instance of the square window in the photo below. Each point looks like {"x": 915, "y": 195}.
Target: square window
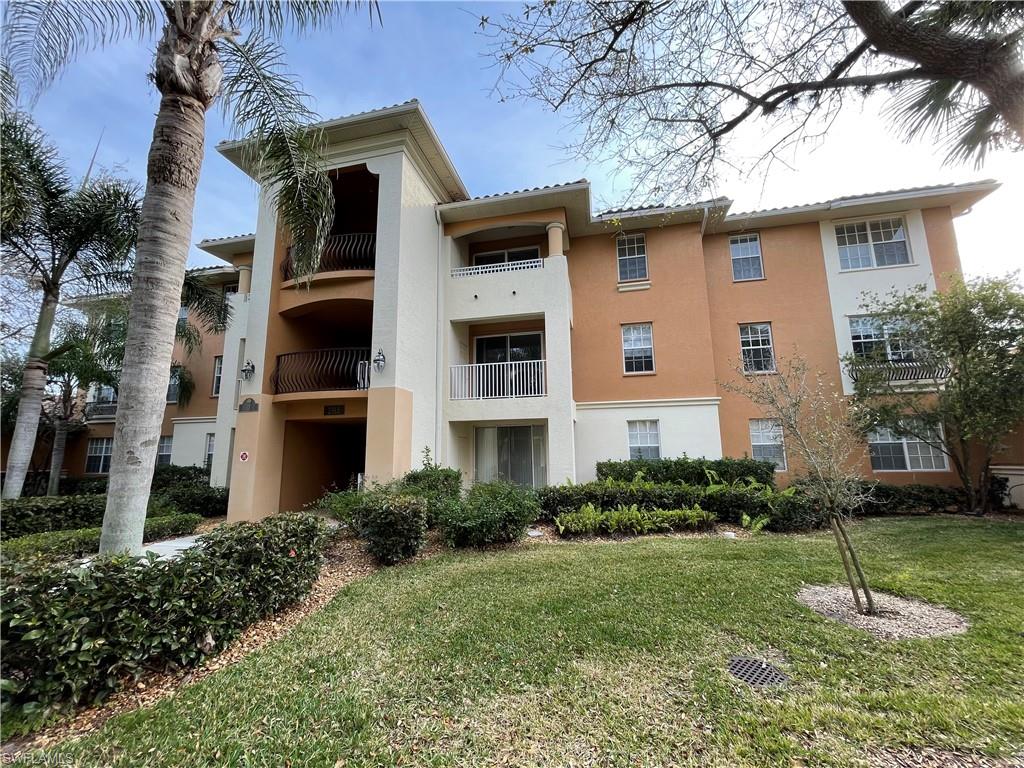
{"x": 632, "y": 256}
{"x": 876, "y": 243}
{"x": 97, "y": 455}
{"x": 638, "y": 348}
{"x": 644, "y": 439}
{"x": 745, "y": 251}
{"x": 766, "y": 442}
{"x": 756, "y": 348}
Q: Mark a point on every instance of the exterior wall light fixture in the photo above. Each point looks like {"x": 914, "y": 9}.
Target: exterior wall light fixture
{"x": 248, "y": 370}
{"x": 379, "y": 360}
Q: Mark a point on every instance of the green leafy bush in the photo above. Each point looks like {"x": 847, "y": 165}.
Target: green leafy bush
{"x": 36, "y": 514}
{"x": 59, "y": 645}
{"x": 199, "y": 499}
{"x": 340, "y": 505}
{"x": 632, "y": 521}
{"x": 910, "y": 499}
{"x": 688, "y": 471}
{"x": 82, "y": 542}
{"x": 439, "y": 487}
{"x": 172, "y": 475}
{"x": 393, "y": 523}
{"x": 493, "y": 513}
{"x": 78, "y": 486}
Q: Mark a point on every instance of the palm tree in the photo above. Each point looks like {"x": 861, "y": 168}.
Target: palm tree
{"x": 58, "y": 237}
{"x": 200, "y": 58}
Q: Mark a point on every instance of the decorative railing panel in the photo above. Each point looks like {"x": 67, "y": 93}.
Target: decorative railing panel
{"x": 99, "y": 410}
{"x": 485, "y": 381}
{"x": 356, "y": 250}
{"x": 322, "y": 369}
{"x": 508, "y": 266}
{"x": 901, "y": 370}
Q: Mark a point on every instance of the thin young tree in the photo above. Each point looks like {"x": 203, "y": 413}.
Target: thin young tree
{"x": 965, "y": 346}
{"x": 60, "y": 238}
{"x": 202, "y": 56}
{"x": 663, "y": 88}
{"x": 818, "y": 423}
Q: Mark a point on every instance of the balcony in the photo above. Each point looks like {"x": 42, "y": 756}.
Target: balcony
{"x": 318, "y": 370}
{"x": 900, "y": 370}
{"x": 491, "y": 381}
{"x": 352, "y": 251}
{"x": 100, "y": 410}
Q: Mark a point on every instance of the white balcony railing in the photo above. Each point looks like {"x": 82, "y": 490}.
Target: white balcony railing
{"x": 486, "y": 381}
{"x": 508, "y": 266}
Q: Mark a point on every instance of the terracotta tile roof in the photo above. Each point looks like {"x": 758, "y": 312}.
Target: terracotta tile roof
{"x": 211, "y": 240}
{"x": 532, "y": 189}
{"x": 345, "y": 117}
{"x": 642, "y": 209}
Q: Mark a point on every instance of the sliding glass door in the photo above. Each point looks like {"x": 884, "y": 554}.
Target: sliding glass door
{"x": 515, "y": 454}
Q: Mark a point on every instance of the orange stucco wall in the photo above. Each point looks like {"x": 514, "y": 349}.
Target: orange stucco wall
{"x": 676, "y": 304}
{"x": 938, "y": 228}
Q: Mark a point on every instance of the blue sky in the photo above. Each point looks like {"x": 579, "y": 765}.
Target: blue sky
{"x": 433, "y": 52}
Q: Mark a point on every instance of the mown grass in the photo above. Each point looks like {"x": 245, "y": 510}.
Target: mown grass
{"x": 613, "y": 654}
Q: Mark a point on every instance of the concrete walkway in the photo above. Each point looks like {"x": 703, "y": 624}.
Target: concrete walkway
{"x": 171, "y": 548}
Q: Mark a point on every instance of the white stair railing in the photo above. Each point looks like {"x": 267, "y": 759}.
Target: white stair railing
{"x": 486, "y": 381}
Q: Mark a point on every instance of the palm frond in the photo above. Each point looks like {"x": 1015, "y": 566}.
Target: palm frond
{"x": 206, "y": 303}
{"x": 270, "y": 112}
{"x": 275, "y": 17}
{"x": 188, "y": 336}
{"x": 41, "y": 37}
{"x": 8, "y": 90}
{"x": 33, "y": 177}
{"x": 186, "y": 382}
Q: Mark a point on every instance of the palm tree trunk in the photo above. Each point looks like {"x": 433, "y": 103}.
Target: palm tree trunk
{"x": 30, "y": 404}
{"x": 165, "y": 231}
{"x": 60, "y": 440}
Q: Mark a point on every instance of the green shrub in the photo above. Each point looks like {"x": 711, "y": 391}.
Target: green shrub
{"x": 78, "y": 486}
{"x": 688, "y": 471}
{"x": 632, "y": 521}
{"x": 910, "y": 499}
{"x": 199, "y": 499}
{"x": 36, "y": 514}
{"x": 439, "y": 487}
{"x": 172, "y": 475}
{"x": 82, "y": 542}
{"x": 557, "y": 500}
{"x": 393, "y": 524}
{"x": 340, "y": 505}
{"x": 73, "y": 635}
{"x": 493, "y": 513}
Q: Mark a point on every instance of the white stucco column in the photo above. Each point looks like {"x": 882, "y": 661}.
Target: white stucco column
{"x": 556, "y": 239}
{"x": 244, "y": 279}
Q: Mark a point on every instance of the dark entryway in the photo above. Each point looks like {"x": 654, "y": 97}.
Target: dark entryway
{"x": 320, "y": 455}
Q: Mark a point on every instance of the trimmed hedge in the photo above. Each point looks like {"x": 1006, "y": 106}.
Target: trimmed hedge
{"x": 439, "y": 487}
{"x": 195, "y": 499}
{"x": 56, "y": 622}
{"x": 632, "y": 521}
{"x": 688, "y": 471}
{"x": 788, "y": 510}
{"x": 82, "y": 542}
{"x": 493, "y": 513}
{"x": 393, "y": 524}
{"x": 37, "y": 514}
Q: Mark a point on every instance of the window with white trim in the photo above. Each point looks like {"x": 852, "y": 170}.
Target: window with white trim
{"x": 644, "y": 439}
{"x": 756, "y": 348}
{"x": 173, "y": 386}
{"x": 638, "y": 348}
{"x": 745, "y": 251}
{"x": 97, "y": 455}
{"x": 766, "y": 443}
{"x": 893, "y": 451}
{"x": 874, "y": 339}
{"x": 163, "y": 450}
{"x": 218, "y": 367}
{"x": 632, "y": 256}
{"x": 871, "y": 244}
{"x": 210, "y": 440}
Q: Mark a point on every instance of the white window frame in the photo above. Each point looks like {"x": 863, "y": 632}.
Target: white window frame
{"x": 757, "y": 429}
{"x": 872, "y": 242}
{"x": 637, "y": 241}
{"x": 622, "y": 335}
{"x": 166, "y": 441}
{"x": 905, "y": 441}
{"x": 745, "y": 239}
{"x": 182, "y": 313}
{"x": 106, "y": 450}
{"x": 633, "y": 431}
{"x": 885, "y": 334}
{"x": 211, "y": 446}
{"x": 218, "y": 374}
{"x": 504, "y": 252}
{"x": 770, "y": 347}
{"x": 175, "y": 381}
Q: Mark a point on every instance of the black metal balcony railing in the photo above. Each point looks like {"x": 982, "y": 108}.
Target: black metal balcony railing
{"x": 356, "y": 250}
{"x": 321, "y": 369}
{"x": 901, "y": 370}
{"x": 97, "y": 410}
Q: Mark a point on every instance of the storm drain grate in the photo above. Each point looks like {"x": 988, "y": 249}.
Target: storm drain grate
{"x": 756, "y": 672}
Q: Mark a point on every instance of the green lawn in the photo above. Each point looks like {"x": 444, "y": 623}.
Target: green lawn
{"x": 613, "y": 654}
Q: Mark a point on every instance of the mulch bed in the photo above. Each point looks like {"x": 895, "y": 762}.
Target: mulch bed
{"x": 898, "y": 618}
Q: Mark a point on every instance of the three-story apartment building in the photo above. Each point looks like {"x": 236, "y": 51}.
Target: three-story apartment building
{"x": 520, "y": 335}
